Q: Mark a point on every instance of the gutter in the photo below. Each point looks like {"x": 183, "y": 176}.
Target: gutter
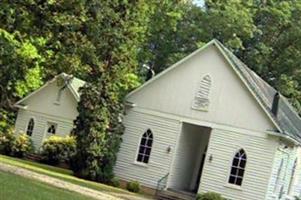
{"x": 21, "y": 107}
{"x": 130, "y": 104}
{"x": 284, "y": 136}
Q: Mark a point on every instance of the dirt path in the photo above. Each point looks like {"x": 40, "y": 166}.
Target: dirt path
{"x": 68, "y": 186}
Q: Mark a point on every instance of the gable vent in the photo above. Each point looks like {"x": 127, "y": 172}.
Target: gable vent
{"x": 201, "y": 99}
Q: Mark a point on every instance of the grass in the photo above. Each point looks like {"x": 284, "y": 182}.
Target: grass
{"x": 62, "y": 174}
{"x": 15, "y": 187}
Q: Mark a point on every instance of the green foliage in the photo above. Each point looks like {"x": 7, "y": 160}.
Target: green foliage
{"x": 15, "y": 146}
{"x": 98, "y": 127}
{"x": 33, "y": 80}
{"x": 5, "y": 120}
{"x": 166, "y": 41}
{"x": 22, "y": 145}
{"x": 58, "y": 149}
{"x": 133, "y": 186}
{"x": 19, "y": 61}
{"x": 209, "y": 196}
{"x": 7, "y": 140}
{"x": 115, "y": 182}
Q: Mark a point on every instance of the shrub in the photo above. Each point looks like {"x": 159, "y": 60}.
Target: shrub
{"x": 7, "y": 140}
{"x": 22, "y": 145}
{"x": 209, "y": 196}
{"x": 58, "y": 149}
{"x": 115, "y": 182}
{"x": 133, "y": 186}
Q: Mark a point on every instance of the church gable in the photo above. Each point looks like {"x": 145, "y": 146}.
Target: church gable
{"x": 203, "y": 87}
{"x": 52, "y": 99}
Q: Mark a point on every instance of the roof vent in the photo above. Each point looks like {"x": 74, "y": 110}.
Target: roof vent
{"x": 275, "y": 104}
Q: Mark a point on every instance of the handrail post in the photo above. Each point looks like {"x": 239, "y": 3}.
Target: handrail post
{"x": 161, "y": 184}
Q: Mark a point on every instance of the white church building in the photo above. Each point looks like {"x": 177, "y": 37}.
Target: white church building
{"x": 50, "y": 110}
{"x": 209, "y": 123}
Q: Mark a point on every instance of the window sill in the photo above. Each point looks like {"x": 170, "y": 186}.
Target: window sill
{"x": 231, "y": 186}
{"x": 140, "y": 164}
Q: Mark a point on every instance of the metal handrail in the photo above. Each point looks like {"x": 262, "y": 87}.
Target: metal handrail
{"x": 161, "y": 184}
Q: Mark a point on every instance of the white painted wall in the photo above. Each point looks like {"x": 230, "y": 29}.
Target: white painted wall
{"x": 43, "y": 108}
{"x": 44, "y": 102}
{"x": 230, "y": 101}
{"x": 165, "y": 133}
{"x": 39, "y": 132}
{"x": 260, "y": 150}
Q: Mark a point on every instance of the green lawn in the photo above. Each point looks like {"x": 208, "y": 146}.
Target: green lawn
{"x": 62, "y": 174}
{"x": 15, "y": 187}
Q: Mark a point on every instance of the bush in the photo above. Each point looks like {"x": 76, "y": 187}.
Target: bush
{"x": 22, "y": 145}
{"x": 58, "y": 149}
{"x": 209, "y": 196}
{"x": 7, "y": 140}
{"x": 115, "y": 182}
{"x": 133, "y": 186}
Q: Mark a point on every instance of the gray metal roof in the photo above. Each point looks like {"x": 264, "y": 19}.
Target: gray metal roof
{"x": 287, "y": 118}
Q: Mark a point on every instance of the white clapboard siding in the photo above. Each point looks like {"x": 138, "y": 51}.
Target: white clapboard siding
{"x": 165, "y": 132}
{"x": 223, "y": 146}
{"x": 64, "y": 126}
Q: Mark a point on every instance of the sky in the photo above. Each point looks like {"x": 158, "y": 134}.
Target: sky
{"x": 199, "y": 2}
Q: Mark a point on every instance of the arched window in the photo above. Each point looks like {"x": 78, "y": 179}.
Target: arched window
{"x": 30, "y": 127}
{"x": 238, "y": 167}
{"x": 201, "y": 99}
{"x": 145, "y": 147}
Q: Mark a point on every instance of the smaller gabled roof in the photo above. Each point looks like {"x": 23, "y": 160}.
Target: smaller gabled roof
{"x": 73, "y": 83}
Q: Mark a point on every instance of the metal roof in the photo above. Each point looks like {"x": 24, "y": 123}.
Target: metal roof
{"x": 287, "y": 118}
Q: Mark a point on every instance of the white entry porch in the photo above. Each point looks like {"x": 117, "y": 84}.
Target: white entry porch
{"x": 189, "y": 158}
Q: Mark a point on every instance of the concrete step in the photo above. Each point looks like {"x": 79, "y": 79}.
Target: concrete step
{"x": 175, "y": 195}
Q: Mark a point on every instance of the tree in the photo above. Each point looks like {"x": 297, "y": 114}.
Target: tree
{"x": 172, "y": 33}
{"x": 19, "y": 63}
{"x": 114, "y": 29}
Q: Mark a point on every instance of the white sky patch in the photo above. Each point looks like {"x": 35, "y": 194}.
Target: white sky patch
{"x": 198, "y": 2}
